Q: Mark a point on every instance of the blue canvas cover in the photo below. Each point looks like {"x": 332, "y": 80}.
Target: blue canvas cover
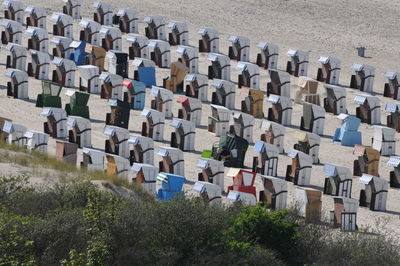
{"x": 140, "y": 95}
{"x": 175, "y": 183}
{"x": 171, "y": 185}
{"x": 348, "y": 134}
{"x": 259, "y": 146}
{"x": 79, "y": 54}
{"x": 147, "y": 75}
{"x": 330, "y": 170}
{"x": 351, "y": 123}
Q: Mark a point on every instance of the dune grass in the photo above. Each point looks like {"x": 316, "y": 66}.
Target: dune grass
{"x": 39, "y": 160}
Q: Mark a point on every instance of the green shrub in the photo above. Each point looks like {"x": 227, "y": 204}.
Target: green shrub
{"x": 359, "y": 248}
{"x": 57, "y": 234}
{"x": 15, "y": 247}
{"x": 169, "y": 232}
{"x": 73, "y": 223}
{"x": 271, "y": 230}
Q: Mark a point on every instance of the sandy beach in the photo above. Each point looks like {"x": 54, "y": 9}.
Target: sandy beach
{"x": 321, "y": 27}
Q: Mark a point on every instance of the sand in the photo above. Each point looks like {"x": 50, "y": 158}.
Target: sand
{"x": 322, "y": 27}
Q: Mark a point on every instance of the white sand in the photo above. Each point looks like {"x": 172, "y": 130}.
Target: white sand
{"x": 322, "y": 27}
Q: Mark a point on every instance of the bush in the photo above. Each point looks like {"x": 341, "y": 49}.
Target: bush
{"x": 168, "y": 232}
{"x": 359, "y": 249}
{"x": 270, "y": 230}
{"x": 15, "y": 247}
{"x": 74, "y": 223}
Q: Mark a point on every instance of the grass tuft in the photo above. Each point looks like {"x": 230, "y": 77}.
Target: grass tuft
{"x": 37, "y": 160}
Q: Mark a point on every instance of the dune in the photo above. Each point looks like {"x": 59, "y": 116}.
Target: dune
{"x": 322, "y": 27}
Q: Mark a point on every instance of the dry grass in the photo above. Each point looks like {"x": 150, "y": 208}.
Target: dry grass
{"x": 39, "y": 161}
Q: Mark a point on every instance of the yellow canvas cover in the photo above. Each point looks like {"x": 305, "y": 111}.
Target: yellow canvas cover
{"x": 98, "y": 56}
{"x": 301, "y": 136}
{"x": 178, "y": 73}
{"x": 313, "y": 209}
{"x": 88, "y": 48}
{"x": 308, "y": 85}
{"x": 111, "y": 166}
{"x": 373, "y": 161}
{"x": 257, "y": 103}
{"x": 308, "y": 89}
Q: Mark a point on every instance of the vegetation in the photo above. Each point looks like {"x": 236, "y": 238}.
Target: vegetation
{"x": 39, "y": 160}
{"x": 74, "y": 223}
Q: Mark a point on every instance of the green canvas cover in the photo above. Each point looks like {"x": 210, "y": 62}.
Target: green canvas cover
{"x": 232, "y": 142}
{"x": 50, "y": 96}
{"x": 78, "y": 105}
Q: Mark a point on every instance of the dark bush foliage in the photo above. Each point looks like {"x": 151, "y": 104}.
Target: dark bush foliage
{"x": 270, "y": 230}
{"x": 74, "y": 223}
